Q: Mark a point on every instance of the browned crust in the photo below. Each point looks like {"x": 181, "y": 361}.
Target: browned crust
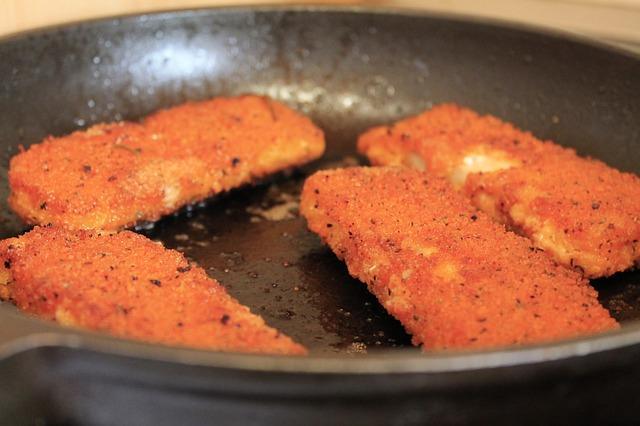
{"x": 590, "y": 210}
{"x": 450, "y": 275}
{"x": 114, "y": 175}
{"x": 129, "y": 286}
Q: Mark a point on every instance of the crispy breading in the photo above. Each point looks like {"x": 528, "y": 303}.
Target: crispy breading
{"x": 454, "y": 278}
{"x": 129, "y": 286}
{"x": 584, "y": 213}
{"x": 114, "y": 175}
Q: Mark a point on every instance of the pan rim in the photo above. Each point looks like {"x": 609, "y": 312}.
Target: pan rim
{"x": 392, "y": 362}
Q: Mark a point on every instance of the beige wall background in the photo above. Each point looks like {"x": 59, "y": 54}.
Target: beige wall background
{"x": 614, "y": 20}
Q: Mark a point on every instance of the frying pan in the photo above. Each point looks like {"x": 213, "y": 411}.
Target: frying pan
{"x": 348, "y": 69}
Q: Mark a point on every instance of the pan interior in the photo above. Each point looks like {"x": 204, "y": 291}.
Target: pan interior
{"x": 348, "y": 71}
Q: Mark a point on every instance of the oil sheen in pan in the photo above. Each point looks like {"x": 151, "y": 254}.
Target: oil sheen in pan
{"x": 253, "y": 241}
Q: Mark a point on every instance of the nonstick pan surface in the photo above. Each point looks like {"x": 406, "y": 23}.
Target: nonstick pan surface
{"x": 348, "y": 69}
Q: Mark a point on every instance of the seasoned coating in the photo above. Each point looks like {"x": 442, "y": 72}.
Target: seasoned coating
{"x": 129, "y": 286}
{"x": 454, "y": 278}
{"x": 584, "y": 213}
{"x": 114, "y": 175}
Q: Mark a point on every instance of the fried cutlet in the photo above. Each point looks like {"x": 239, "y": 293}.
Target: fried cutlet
{"x": 112, "y": 176}
{"x": 453, "y": 277}
{"x": 129, "y": 286}
{"x": 579, "y": 210}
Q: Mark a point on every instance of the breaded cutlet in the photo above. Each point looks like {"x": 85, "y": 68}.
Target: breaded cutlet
{"x": 112, "y": 176}
{"x": 582, "y": 212}
{"x": 129, "y": 286}
{"x": 453, "y": 277}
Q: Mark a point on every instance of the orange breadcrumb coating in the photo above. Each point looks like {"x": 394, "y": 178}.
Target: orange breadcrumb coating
{"x": 114, "y": 175}
{"x": 582, "y": 212}
{"x": 450, "y": 275}
{"x": 129, "y": 286}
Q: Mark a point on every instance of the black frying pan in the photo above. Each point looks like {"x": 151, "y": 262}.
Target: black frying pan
{"x": 348, "y": 69}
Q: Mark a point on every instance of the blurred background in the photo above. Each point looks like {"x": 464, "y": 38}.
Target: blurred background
{"x": 616, "y": 21}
